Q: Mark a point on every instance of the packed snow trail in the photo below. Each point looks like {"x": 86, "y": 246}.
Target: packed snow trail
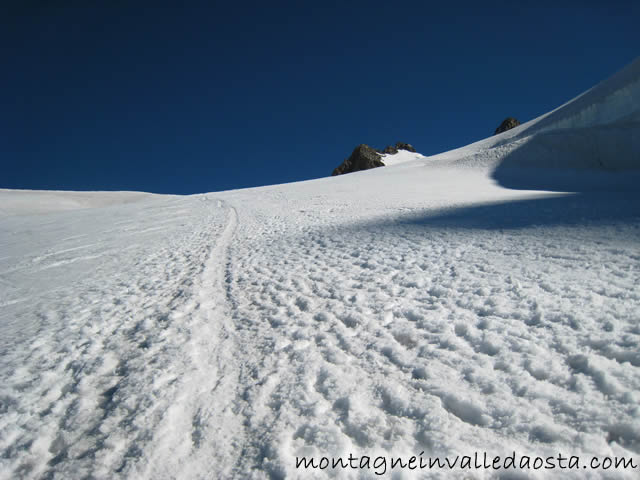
{"x": 202, "y": 415}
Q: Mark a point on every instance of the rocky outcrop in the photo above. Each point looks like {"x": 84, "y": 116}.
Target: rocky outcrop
{"x": 405, "y": 146}
{"x": 391, "y": 149}
{"x": 363, "y": 158}
{"x": 507, "y": 124}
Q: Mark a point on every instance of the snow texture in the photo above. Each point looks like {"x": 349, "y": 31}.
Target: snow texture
{"x": 485, "y": 299}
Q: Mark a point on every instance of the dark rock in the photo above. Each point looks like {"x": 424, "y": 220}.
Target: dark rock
{"x": 507, "y": 124}
{"x": 363, "y": 158}
{"x": 391, "y": 149}
{"x": 405, "y": 146}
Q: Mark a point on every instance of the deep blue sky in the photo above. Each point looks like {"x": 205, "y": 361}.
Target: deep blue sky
{"x": 132, "y": 96}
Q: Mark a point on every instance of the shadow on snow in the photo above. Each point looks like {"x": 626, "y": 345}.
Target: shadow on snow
{"x": 600, "y": 168}
{"x": 578, "y": 209}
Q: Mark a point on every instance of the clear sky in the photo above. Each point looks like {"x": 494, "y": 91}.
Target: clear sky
{"x": 215, "y": 96}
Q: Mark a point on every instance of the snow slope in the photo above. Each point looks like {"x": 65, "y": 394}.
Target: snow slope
{"x": 29, "y": 202}
{"x": 440, "y": 306}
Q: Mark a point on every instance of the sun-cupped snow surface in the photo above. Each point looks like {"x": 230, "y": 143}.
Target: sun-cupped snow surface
{"x": 440, "y": 307}
{"x": 101, "y": 328}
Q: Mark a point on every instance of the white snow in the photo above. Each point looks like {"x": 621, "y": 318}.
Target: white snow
{"x": 29, "y": 202}
{"x": 401, "y": 157}
{"x": 482, "y": 300}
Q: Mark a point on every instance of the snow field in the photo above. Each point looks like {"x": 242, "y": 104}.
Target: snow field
{"x": 451, "y": 334}
{"x": 228, "y": 333}
{"x": 94, "y": 356}
{"x": 482, "y": 300}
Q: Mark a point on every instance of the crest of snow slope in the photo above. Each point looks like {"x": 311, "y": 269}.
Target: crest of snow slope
{"x": 29, "y": 202}
{"x": 598, "y": 129}
{"x": 420, "y": 307}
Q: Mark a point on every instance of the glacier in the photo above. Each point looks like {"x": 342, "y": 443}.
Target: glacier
{"x": 484, "y": 299}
